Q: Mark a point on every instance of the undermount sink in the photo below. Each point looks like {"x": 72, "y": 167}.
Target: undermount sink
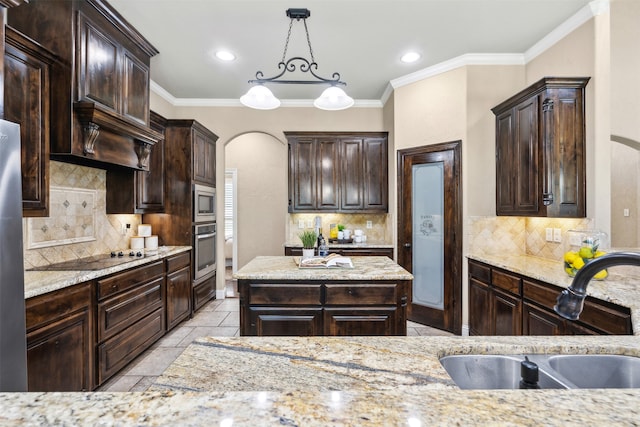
{"x": 482, "y": 372}
{"x": 598, "y": 370}
{"x": 486, "y": 372}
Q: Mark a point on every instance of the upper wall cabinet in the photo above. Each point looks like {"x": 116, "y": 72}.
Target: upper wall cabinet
{"x": 338, "y": 171}
{"x": 27, "y": 78}
{"x": 101, "y": 94}
{"x": 540, "y": 150}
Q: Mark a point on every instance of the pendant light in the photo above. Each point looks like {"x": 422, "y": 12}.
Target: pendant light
{"x": 333, "y": 98}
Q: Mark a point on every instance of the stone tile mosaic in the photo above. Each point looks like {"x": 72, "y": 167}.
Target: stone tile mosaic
{"x": 78, "y": 225}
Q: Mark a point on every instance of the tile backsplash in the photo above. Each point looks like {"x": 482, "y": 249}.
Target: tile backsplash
{"x": 521, "y": 235}
{"x": 78, "y": 225}
{"x": 379, "y": 231}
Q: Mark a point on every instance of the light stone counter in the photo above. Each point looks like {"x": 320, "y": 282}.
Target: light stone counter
{"x": 348, "y": 381}
{"x": 41, "y": 282}
{"x": 621, "y": 287}
{"x": 285, "y": 268}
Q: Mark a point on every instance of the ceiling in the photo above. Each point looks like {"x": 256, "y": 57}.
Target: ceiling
{"x": 361, "y": 40}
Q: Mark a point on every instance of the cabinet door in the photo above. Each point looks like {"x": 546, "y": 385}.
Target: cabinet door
{"x": 56, "y": 355}
{"x": 479, "y": 308}
{"x": 60, "y": 340}
{"x": 203, "y": 291}
{"x": 204, "y": 158}
{"x": 540, "y": 322}
{"x": 178, "y": 296}
{"x": 352, "y": 176}
{"x": 135, "y": 86}
{"x": 150, "y": 184}
{"x": 328, "y": 178}
{"x": 507, "y": 314}
{"x": 97, "y": 67}
{"x": 27, "y": 70}
{"x": 302, "y": 174}
{"x": 526, "y": 160}
{"x": 284, "y": 321}
{"x": 352, "y": 321}
{"x": 375, "y": 179}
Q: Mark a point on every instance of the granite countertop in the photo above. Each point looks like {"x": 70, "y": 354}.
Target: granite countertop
{"x": 321, "y": 381}
{"x": 40, "y": 282}
{"x": 368, "y": 244}
{"x": 285, "y": 268}
{"x": 621, "y": 287}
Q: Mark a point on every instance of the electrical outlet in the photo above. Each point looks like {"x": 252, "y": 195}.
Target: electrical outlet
{"x": 309, "y": 223}
{"x": 625, "y": 212}
{"x": 301, "y": 223}
{"x": 548, "y": 234}
{"x": 557, "y": 235}
{"x": 369, "y": 224}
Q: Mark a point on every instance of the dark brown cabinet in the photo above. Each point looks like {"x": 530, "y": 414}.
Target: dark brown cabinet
{"x": 28, "y": 67}
{"x": 495, "y": 305}
{"x": 101, "y": 93}
{"x": 140, "y": 192}
{"x": 204, "y": 155}
{"x": 322, "y": 308}
{"x": 338, "y": 172}
{"x": 131, "y": 316}
{"x": 506, "y": 303}
{"x": 540, "y": 150}
{"x": 178, "y": 299}
{"x": 61, "y": 340}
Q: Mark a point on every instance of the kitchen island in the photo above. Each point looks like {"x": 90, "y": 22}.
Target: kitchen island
{"x": 337, "y": 381}
{"x": 277, "y": 297}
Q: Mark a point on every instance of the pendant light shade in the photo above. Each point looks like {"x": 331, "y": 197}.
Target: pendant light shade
{"x": 333, "y": 98}
{"x": 261, "y": 98}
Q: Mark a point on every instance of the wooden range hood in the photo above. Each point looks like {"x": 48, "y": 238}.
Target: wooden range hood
{"x": 100, "y": 85}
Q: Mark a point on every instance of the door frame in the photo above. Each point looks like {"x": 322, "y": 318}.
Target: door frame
{"x": 453, "y": 229}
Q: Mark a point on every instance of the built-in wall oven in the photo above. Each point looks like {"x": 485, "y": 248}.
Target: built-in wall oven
{"x": 204, "y": 203}
{"x": 204, "y": 236}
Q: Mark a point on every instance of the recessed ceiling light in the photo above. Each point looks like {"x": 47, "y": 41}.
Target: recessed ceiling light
{"x": 225, "y": 55}
{"x": 410, "y": 57}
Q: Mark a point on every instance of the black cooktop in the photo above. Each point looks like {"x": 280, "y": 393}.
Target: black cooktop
{"x": 96, "y": 262}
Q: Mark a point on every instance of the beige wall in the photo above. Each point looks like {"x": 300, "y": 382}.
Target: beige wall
{"x": 261, "y": 164}
{"x": 624, "y": 179}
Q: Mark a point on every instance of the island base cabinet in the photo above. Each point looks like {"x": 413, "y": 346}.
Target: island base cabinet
{"x": 310, "y": 308}
{"x": 60, "y": 340}
{"x": 279, "y": 321}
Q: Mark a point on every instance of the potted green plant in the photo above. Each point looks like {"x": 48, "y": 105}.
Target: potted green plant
{"x": 308, "y": 239}
{"x": 340, "y": 231}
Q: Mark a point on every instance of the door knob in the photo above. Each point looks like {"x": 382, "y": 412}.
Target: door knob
{"x": 407, "y": 245}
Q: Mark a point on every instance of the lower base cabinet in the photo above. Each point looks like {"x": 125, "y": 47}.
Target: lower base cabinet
{"x": 505, "y": 303}
{"x": 60, "y": 340}
{"x": 79, "y": 337}
{"x": 203, "y": 291}
{"x": 290, "y": 308}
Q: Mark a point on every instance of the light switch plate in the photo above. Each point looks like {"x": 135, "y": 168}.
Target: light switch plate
{"x": 557, "y": 235}
{"x": 301, "y": 223}
{"x": 548, "y": 234}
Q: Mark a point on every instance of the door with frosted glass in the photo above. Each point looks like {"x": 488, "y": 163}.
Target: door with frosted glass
{"x": 430, "y": 232}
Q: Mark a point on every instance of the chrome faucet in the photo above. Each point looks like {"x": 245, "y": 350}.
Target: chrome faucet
{"x": 570, "y": 301}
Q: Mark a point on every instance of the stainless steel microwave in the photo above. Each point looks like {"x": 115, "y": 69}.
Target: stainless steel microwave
{"x": 204, "y": 203}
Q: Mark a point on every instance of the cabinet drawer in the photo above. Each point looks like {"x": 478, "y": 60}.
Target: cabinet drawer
{"x": 361, "y": 294}
{"x": 540, "y": 294}
{"x": 129, "y": 279}
{"x": 124, "y": 310}
{"x": 178, "y": 261}
{"x": 615, "y": 321}
{"x": 46, "y": 308}
{"x": 505, "y": 281}
{"x": 285, "y": 294}
{"x": 116, "y": 352}
{"x": 480, "y": 271}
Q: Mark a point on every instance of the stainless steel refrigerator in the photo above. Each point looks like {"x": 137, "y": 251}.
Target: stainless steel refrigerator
{"x": 13, "y": 337}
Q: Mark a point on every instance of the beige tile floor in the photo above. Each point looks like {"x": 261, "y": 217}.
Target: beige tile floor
{"x": 220, "y": 317}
